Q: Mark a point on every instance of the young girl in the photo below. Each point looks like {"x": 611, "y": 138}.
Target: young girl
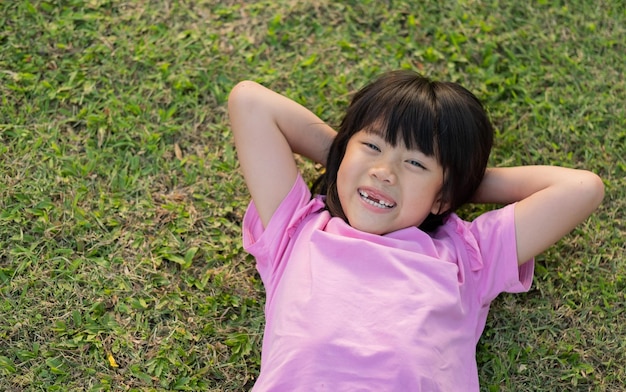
{"x": 376, "y": 285}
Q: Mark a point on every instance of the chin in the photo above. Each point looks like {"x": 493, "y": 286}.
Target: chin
{"x": 366, "y": 228}
{"x": 372, "y": 229}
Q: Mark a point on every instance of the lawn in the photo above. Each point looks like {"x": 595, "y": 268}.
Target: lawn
{"x": 121, "y": 264}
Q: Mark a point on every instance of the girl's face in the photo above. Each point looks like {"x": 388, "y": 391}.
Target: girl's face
{"x": 383, "y": 188}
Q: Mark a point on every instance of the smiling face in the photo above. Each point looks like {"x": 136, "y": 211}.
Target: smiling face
{"x": 429, "y": 118}
{"x": 384, "y": 188}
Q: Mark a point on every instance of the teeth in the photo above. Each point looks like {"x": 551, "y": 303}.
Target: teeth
{"x": 373, "y": 201}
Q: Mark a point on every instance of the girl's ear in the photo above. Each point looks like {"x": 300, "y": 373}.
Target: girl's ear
{"x": 439, "y": 205}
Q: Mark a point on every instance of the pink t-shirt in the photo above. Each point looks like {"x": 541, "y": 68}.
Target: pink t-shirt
{"x": 353, "y": 311}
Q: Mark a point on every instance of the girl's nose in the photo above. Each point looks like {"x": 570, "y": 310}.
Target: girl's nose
{"x": 384, "y": 173}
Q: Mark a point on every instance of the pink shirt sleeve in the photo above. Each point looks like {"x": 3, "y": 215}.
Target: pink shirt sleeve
{"x": 494, "y": 236}
{"x": 269, "y": 244}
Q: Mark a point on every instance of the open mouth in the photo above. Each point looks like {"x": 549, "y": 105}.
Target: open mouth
{"x": 375, "y": 201}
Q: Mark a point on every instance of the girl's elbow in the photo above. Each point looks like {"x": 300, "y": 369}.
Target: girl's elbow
{"x": 244, "y": 84}
{"x": 595, "y": 189}
{"x": 242, "y": 100}
{"x": 599, "y": 189}
{"x": 240, "y": 92}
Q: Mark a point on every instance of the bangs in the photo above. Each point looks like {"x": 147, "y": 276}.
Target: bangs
{"x": 401, "y": 113}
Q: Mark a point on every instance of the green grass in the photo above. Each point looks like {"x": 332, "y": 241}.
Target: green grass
{"x": 121, "y": 264}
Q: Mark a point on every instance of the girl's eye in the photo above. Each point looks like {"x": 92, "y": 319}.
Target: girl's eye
{"x": 416, "y": 164}
{"x": 372, "y": 146}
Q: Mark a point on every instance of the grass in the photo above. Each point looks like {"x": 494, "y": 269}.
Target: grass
{"x": 121, "y": 265}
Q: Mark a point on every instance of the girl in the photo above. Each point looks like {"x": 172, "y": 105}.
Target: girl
{"x": 375, "y": 284}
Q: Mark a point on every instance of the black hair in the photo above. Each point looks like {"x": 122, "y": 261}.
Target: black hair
{"x": 441, "y": 119}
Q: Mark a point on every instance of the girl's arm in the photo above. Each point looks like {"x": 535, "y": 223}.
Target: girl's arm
{"x": 551, "y": 202}
{"x": 268, "y": 129}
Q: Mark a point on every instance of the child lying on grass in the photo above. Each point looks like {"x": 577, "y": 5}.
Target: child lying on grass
{"x": 375, "y": 283}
